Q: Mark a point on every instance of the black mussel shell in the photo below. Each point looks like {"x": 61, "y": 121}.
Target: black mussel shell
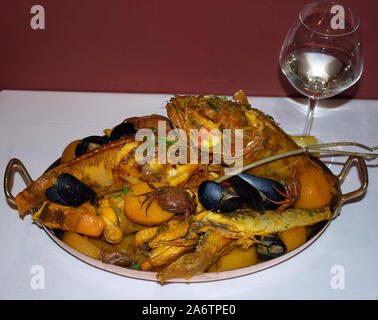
{"x": 267, "y": 188}
{"x": 217, "y": 198}
{"x": 270, "y": 247}
{"x": 124, "y": 129}
{"x": 90, "y": 143}
{"x": 248, "y": 193}
{"x": 73, "y": 191}
{"x": 53, "y": 196}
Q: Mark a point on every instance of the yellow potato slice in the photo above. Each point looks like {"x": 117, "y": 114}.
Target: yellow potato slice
{"x": 235, "y": 259}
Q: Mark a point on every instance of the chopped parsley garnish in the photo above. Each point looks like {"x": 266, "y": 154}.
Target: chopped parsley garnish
{"x": 271, "y": 118}
{"x": 231, "y": 108}
{"x": 176, "y": 107}
{"x": 164, "y": 140}
{"x": 212, "y": 105}
{"x": 124, "y": 189}
{"x": 135, "y": 265}
{"x": 196, "y": 124}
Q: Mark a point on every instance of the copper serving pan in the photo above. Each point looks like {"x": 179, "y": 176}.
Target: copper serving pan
{"x": 16, "y": 165}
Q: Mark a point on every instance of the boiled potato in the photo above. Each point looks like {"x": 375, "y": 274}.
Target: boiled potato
{"x": 69, "y": 152}
{"x": 81, "y": 244}
{"x": 235, "y": 259}
{"x": 293, "y": 238}
{"x": 136, "y": 212}
{"x": 316, "y": 191}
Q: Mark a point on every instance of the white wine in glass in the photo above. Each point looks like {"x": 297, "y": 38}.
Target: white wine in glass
{"x": 321, "y": 54}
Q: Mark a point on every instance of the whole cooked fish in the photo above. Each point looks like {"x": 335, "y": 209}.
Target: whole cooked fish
{"x": 104, "y": 169}
{"x": 210, "y": 247}
{"x": 218, "y": 231}
{"x": 262, "y": 137}
{"x": 247, "y": 223}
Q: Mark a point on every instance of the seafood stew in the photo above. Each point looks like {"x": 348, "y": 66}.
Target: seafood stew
{"x": 174, "y": 221}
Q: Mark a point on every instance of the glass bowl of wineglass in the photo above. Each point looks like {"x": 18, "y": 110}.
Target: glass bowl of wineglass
{"x": 321, "y": 54}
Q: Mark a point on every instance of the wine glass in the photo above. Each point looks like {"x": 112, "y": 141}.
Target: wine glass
{"x": 321, "y": 54}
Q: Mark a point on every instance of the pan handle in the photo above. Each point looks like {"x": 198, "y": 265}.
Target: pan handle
{"x": 13, "y": 166}
{"x": 364, "y": 176}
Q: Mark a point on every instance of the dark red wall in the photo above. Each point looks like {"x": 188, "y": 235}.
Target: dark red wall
{"x": 161, "y": 46}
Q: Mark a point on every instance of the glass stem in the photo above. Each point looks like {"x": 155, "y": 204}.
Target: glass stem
{"x": 310, "y": 116}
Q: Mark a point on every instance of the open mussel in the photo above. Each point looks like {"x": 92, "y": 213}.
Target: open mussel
{"x": 258, "y": 193}
{"x": 248, "y": 193}
{"x": 269, "y": 247}
{"x": 53, "y": 196}
{"x": 123, "y": 129}
{"x": 267, "y": 188}
{"x": 90, "y": 143}
{"x": 70, "y": 191}
{"x": 217, "y": 198}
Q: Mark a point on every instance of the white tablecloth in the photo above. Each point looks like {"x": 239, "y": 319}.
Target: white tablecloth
{"x": 35, "y": 126}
